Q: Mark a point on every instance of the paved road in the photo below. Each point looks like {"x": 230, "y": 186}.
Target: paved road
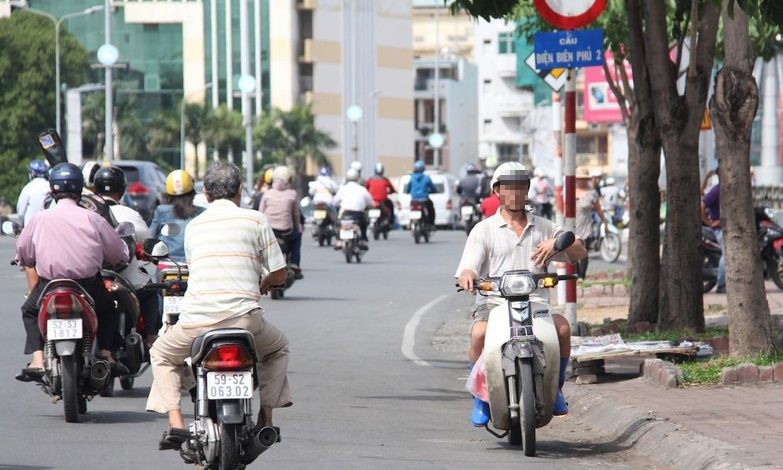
{"x": 366, "y": 394}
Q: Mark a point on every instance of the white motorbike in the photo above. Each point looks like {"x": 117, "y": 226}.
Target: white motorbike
{"x": 522, "y": 353}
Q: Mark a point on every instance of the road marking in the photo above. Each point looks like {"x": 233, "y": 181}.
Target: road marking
{"x": 409, "y": 335}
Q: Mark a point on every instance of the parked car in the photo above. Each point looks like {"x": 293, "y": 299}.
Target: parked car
{"x": 445, "y": 200}
{"x": 146, "y": 186}
{"x": 201, "y": 198}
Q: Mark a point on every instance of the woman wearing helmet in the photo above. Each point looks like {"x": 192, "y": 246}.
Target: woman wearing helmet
{"x": 89, "y": 169}
{"x": 280, "y": 204}
{"x": 179, "y": 210}
{"x": 33, "y": 195}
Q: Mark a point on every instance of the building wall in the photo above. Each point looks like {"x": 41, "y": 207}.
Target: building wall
{"x": 456, "y": 32}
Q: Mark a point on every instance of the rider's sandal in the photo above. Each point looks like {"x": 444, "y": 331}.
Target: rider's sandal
{"x": 173, "y": 439}
{"x": 31, "y": 374}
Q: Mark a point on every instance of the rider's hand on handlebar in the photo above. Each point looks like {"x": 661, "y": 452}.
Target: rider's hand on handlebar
{"x": 467, "y": 281}
{"x": 543, "y": 251}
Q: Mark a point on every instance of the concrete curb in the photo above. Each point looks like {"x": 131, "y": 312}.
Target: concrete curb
{"x": 664, "y": 442}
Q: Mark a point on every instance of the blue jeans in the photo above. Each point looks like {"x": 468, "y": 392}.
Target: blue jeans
{"x": 722, "y": 263}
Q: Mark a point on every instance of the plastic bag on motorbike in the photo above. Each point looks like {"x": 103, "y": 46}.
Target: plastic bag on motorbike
{"x": 477, "y": 380}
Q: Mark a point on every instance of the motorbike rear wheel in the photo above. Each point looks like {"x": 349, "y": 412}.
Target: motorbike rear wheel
{"x": 415, "y": 228}
{"x": 527, "y": 407}
{"x": 376, "y": 231}
{"x": 126, "y": 382}
{"x": 229, "y": 455}
{"x": 611, "y": 245}
{"x": 321, "y": 239}
{"x": 348, "y": 251}
{"x": 69, "y": 369}
{"x": 775, "y": 270}
{"x": 426, "y": 234}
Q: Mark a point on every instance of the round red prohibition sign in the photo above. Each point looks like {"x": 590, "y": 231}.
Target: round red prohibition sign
{"x": 569, "y": 14}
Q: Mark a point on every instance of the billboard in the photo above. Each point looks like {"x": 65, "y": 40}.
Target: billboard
{"x": 600, "y": 104}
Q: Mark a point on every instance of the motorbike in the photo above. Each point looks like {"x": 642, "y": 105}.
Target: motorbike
{"x": 470, "y": 214}
{"x": 379, "y": 220}
{"x": 606, "y": 241}
{"x": 323, "y": 228}
{"x": 351, "y": 239}
{"x": 223, "y": 434}
{"x": 770, "y": 238}
{"x": 711, "y": 253}
{"x": 278, "y": 292}
{"x": 522, "y": 353}
{"x": 420, "y": 228}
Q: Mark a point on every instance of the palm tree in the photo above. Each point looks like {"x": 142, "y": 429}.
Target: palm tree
{"x": 224, "y": 131}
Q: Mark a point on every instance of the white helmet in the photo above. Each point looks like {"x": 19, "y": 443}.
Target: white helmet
{"x": 356, "y": 165}
{"x": 282, "y": 172}
{"x": 510, "y": 172}
{"x": 352, "y": 175}
{"x": 88, "y": 172}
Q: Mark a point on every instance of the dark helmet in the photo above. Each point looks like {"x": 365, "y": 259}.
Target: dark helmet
{"x": 66, "y": 178}
{"x": 109, "y": 180}
{"x": 37, "y": 169}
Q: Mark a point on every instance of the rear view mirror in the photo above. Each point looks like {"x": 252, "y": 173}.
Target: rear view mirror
{"x": 125, "y": 229}
{"x": 170, "y": 230}
{"x": 11, "y": 228}
{"x": 149, "y": 244}
{"x": 52, "y": 147}
{"x": 565, "y": 240}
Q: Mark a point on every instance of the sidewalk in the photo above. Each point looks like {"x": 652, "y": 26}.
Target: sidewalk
{"x": 692, "y": 427}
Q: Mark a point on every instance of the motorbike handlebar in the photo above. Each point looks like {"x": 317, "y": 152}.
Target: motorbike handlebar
{"x": 489, "y": 284}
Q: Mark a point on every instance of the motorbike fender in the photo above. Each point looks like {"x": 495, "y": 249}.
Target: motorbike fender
{"x": 230, "y": 412}
{"x": 65, "y": 347}
{"x": 497, "y": 336}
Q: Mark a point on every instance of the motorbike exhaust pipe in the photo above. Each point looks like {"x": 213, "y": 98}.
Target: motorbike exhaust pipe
{"x": 262, "y": 440}
{"x": 100, "y": 374}
{"x": 134, "y": 354}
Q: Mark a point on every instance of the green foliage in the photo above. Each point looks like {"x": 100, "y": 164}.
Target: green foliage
{"x": 292, "y": 135}
{"x": 486, "y": 9}
{"x": 708, "y": 372}
{"x": 27, "y": 95}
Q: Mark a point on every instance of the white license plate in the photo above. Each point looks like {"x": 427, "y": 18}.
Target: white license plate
{"x": 64, "y": 329}
{"x": 467, "y": 211}
{"x": 227, "y": 385}
{"x": 415, "y": 215}
{"x": 346, "y": 234}
{"x": 319, "y": 214}
{"x": 375, "y": 213}
{"x": 172, "y": 304}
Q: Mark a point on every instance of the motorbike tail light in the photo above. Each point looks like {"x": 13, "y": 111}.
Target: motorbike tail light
{"x": 778, "y": 244}
{"x": 415, "y": 206}
{"x": 449, "y": 204}
{"x": 137, "y": 189}
{"x": 110, "y": 285}
{"x": 229, "y": 357}
{"x": 63, "y": 305}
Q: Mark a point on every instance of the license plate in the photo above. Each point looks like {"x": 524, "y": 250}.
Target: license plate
{"x": 319, "y": 214}
{"x": 64, "y": 329}
{"x": 172, "y": 304}
{"x": 227, "y": 385}
{"x": 415, "y": 215}
{"x": 467, "y": 211}
{"x": 346, "y": 234}
{"x": 375, "y": 213}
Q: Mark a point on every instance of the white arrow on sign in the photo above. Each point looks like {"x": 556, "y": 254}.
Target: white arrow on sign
{"x": 555, "y": 78}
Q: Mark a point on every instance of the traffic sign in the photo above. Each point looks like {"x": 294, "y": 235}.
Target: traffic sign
{"x": 569, "y": 49}
{"x": 555, "y": 78}
{"x": 569, "y": 14}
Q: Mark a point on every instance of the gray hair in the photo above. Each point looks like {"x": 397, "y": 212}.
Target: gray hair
{"x": 222, "y": 181}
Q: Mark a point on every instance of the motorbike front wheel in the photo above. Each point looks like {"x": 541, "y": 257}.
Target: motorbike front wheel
{"x": 71, "y": 389}
{"x": 611, "y": 246}
{"x": 127, "y": 382}
{"x": 229, "y": 455}
{"x": 527, "y": 408}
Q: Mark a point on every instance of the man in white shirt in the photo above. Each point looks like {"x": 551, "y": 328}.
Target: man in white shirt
{"x": 31, "y": 199}
{"x": 229, "y": 250}
{"x": 353, "y": 200}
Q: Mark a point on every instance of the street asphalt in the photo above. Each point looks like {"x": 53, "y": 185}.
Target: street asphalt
{"x": 377, "y": 371}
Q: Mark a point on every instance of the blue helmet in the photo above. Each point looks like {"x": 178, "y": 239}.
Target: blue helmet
{"x": 325, "y": 171}
{"x": 37, "y": 169}
{"x": 472, "y": 168}
{"x": 419, "y": 165}
{"x": 66, "y": 178}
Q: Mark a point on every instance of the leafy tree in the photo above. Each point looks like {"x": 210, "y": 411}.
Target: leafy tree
{"x": 27, "y": 95}
{"x": 224, "y": 131}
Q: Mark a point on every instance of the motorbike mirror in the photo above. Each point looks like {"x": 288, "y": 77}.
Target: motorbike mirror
{"x": 125, "y": 229}
{"x": 11, "y": 228}
{"x": 160, "y": 250}
{"x": 169, "y": 230}
{"x": 52, "y": 147}
{"x": 149, "y": 245}
{"x": 304, "y": 202}
{"x": 565, "y": 240}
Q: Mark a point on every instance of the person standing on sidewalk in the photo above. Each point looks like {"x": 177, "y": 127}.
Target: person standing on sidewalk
{"x": 512, "y": 239}
{"x": 710, "y": 216}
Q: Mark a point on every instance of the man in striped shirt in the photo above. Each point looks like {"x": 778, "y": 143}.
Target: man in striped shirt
{"x": 233, "y": 258}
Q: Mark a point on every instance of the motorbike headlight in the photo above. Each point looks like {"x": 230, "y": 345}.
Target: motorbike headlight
{"x": 770, "y": 212}
{"x": 517, "y": 284}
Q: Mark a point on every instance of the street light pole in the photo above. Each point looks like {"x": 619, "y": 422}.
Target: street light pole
{"x": 436, "y": 150}
{"x": 108, "y": 154}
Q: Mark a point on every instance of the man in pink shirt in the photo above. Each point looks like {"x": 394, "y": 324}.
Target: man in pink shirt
{"x": 68, "y": 242}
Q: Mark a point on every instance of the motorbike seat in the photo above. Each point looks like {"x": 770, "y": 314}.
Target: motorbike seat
{"x": 202, "y": 343}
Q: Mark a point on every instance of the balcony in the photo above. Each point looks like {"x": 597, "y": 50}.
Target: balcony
{"x": 306, "y": 51}
{"x": 509, "y": 105}
{"x": 506, "y": 65}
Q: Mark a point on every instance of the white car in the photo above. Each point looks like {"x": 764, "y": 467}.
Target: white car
{"x": 446, "y": 200}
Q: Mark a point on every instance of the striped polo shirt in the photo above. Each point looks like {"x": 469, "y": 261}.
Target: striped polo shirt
{"x": 228, "y": 250}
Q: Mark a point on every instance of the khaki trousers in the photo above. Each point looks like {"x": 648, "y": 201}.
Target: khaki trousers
{"x": 170, "y": 350}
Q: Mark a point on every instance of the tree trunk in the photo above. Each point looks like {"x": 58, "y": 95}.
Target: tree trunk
{"x": 679, "y": 120}
{"x": 644, "y": 148}
{"x": 733, "y": 107}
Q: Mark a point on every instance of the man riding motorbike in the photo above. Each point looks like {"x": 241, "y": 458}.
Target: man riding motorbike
{"x": 68, "y": 242}
{"x": 229, "y": 249}
{"x": 353, "y": 200}
{"x": 280, "y": 204}
{"x": 322, "y": 190}
{"x": 469, "y": 186}
{"x": 512, "y": 239}
{"x": 380, "y": 187}
{"x": 109, "y": 182}
{"x": 31, "y": 199}
{"x": 420, "y": 187}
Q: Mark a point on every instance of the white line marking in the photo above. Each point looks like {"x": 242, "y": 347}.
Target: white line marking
{"x": 409, "y": 335}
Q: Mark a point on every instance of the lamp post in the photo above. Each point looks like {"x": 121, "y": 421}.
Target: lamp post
{"x": 354, "y": 114}
{"x": 207, "y": 86}
{"x": 247, "y": 85}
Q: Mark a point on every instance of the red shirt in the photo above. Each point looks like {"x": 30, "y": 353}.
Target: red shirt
{"x": 489, "y": 205}
{"x": 379, "y": 188}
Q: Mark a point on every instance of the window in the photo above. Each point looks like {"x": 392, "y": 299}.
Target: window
{"x": 487, "y": 86}
{"x": 506, "y": 43}
{"x": 508, "y": 153}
